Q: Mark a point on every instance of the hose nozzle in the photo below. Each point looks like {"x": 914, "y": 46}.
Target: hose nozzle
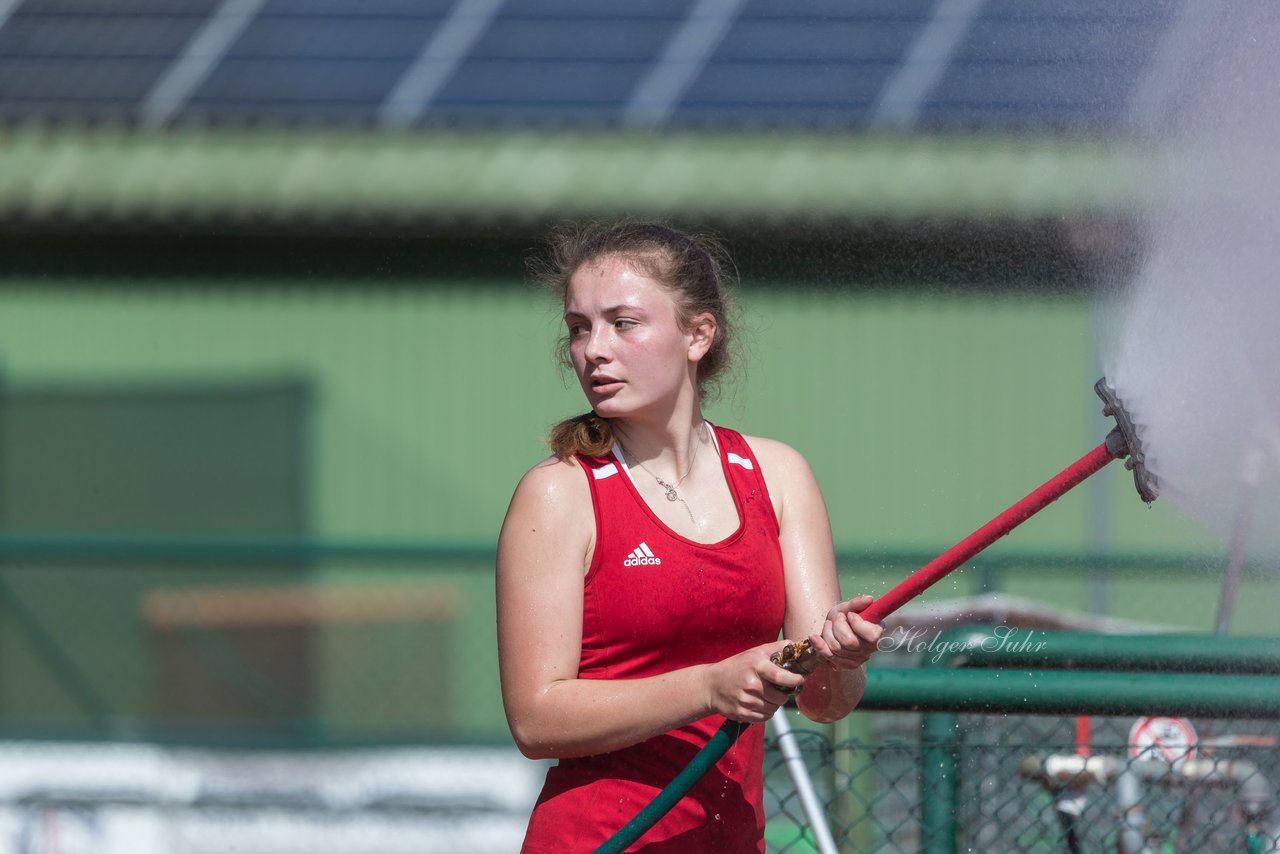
{"x": 1123, "y": 442}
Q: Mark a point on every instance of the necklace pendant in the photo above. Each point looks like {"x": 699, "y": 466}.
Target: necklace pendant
{"x": 671, "y": 493}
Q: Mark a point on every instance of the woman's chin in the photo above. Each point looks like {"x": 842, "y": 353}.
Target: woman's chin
{"x": 609, "y": 406}
{"x": 608, "y": 409}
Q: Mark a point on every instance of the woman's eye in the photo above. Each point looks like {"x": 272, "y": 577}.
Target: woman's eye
{"x": 623, "y": 323}
{"x": 577, "y": 328}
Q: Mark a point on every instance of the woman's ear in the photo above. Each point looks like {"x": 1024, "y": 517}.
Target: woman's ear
{"x": 702, "y": 333}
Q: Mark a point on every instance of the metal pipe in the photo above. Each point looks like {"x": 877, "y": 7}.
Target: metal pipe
{"x": 1055, "y": 692}
{"x": 799, "y": 773}
{"x": 1133, "y": 835}
{"x": 1253, "y": 791}
{"x": 1171, "y": 653}
{"x": 968, "y": 647}
{"x": 1185, "y": 771}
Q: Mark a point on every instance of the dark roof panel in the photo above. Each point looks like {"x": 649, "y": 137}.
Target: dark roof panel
{"x": 508, "y": 84}
{"x": 1074, "y": 63}
{"x": 831, "y": 10}
{"x": 591, "y": 40}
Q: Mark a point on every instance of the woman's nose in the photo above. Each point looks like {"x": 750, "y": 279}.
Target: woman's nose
{"x": 597, "y": 349}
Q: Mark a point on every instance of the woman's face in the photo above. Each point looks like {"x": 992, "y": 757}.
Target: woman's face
{"x": 626, "y": 343}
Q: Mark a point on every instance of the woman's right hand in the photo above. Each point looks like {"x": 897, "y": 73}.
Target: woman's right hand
{"x": 748, "y": 687}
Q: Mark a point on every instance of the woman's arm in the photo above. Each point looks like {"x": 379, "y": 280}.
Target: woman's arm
{"x": 814, "y": 607}
{"x": 543, "y": 554}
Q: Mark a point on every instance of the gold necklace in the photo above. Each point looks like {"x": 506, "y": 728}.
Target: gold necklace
{"x": 672, "y": 495}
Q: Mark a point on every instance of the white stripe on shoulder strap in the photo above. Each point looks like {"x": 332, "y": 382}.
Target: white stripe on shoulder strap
{"x": 605, "y": 471}
{"x": 741, "y": 461}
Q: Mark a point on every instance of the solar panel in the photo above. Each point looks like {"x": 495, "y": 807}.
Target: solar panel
{"x": 292, "y": 63}
{"x": 87, "y": 60}
{"x": 541, "y": 63}
{"x": 1075, "y": 65}
{"x": 680, "y": 63}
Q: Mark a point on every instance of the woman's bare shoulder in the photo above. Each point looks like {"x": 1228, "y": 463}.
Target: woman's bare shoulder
{"x": 786, "y": 471}
{"x": 554, "y": 492}
{"x": 773, "y": 453}
{"x": 553, "y": 476}
{"x": 550, "y": 516}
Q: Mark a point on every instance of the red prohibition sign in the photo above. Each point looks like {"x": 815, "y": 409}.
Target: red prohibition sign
{"x": 1170, "y": 739}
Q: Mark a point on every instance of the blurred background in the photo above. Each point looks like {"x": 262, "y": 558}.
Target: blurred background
{"x": 270, "y": 367}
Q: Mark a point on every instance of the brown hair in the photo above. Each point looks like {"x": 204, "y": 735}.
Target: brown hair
{"x": 693, "y": 268}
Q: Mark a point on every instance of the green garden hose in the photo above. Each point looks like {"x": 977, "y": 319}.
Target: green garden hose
{"x": 705, "y": 759}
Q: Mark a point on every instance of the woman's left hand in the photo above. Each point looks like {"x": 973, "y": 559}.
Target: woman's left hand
{"x": 847, "y": 640}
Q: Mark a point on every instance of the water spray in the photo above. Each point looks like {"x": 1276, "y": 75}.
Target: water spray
{"x": 1122, "y": 442}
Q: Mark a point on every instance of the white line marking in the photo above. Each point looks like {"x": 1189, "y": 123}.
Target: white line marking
{"x": 422, "y": 81}
{"x": 197, "y": 60}
{"x": 922, "y": 67}
{"x": 7, "y": 8}
{"x": 655, "y": 97}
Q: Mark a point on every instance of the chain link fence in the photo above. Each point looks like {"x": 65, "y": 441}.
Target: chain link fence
{"x": 259, "y": 645}
{"x": 1017, "y": 784}
{"x": 908, "y": 782}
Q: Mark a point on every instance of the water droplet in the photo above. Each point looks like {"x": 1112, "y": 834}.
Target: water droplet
{"x": 717, "y": 816}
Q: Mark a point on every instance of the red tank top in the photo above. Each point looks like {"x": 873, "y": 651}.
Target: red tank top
{"x": 653, "y": 602}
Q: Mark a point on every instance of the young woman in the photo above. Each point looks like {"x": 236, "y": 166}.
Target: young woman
{"x": 646, "y": 570}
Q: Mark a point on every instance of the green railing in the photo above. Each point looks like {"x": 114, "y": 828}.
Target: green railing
{"x": 986, "y": 570}
{"x": 951, "y": 751}
{"x": 102, "y": 636}
{"x": 982, "y": 749}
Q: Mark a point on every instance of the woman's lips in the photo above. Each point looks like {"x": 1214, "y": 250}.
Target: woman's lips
{"x": 605, "y": 385}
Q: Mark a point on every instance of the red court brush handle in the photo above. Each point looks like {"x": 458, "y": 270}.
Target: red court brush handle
{"x": 908, "y": 589}
{"x": 932, "y": 572}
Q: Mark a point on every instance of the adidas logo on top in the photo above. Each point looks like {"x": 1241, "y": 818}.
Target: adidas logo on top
{"x": 641, "y": 556}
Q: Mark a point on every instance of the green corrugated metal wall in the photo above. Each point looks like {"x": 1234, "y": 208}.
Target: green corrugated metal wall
{"x": 922, "y": 414}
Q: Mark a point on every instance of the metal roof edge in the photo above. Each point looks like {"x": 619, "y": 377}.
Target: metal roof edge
{"x": 73, "y": 175}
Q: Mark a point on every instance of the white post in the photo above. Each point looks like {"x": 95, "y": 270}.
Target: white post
{"x": 804, "y": 785}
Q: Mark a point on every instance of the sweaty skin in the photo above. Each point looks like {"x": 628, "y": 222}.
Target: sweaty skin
{"x": 637, "y": 366}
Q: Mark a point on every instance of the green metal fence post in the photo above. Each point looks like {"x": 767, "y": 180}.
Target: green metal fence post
{"x": 939, "y": 782}
{"x": 852, "y": 783}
